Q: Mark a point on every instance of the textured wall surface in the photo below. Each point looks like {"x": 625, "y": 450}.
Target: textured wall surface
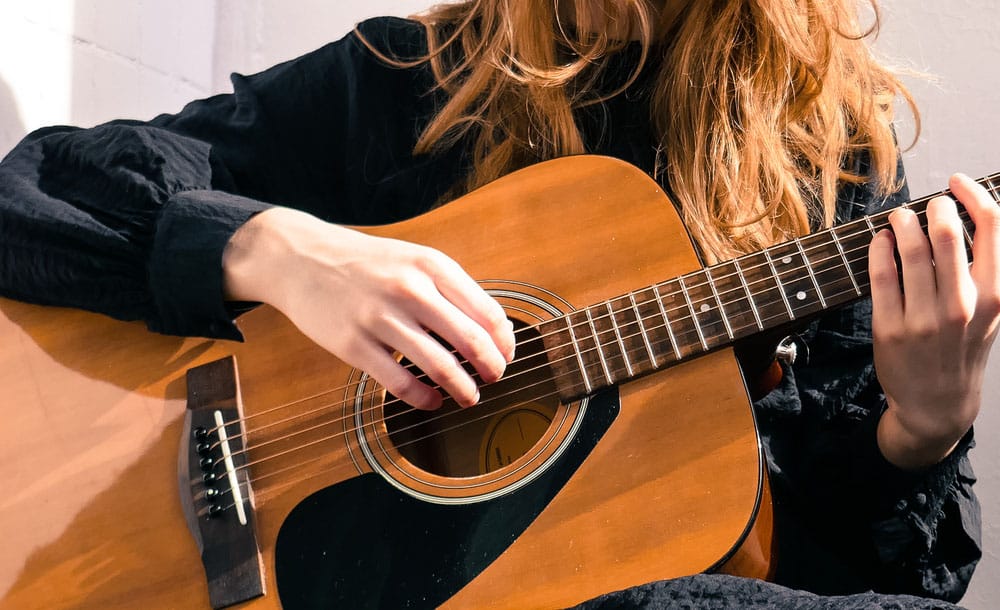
{"x": 957, "y": 44}
{"x": 87, "y": 61}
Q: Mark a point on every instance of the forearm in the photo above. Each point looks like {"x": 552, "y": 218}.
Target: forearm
{"x": 140, "y": 241}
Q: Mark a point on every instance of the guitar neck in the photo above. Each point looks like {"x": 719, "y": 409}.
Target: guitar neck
{"x": 684, "y": 317}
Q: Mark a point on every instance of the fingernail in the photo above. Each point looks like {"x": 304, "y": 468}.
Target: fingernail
{"x": 961, "y": 178}
{"x": 513, "y": 345}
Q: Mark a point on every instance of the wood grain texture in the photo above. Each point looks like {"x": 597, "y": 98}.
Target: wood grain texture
{"x": 93, "y": 407}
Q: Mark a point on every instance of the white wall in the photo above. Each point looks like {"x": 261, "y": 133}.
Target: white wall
{"x": 258, "y": 33}
{"x": 87, "y": 61}
{"x": 958, "y": 44}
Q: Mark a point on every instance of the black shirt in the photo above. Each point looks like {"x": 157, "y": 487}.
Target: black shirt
{"x": 131, "y": 218}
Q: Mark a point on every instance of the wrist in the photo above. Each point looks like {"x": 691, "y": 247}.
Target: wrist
{"x": 908, "y": 450}
{"x": 253, "y": 255}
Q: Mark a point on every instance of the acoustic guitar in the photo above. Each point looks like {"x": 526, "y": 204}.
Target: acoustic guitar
{"x": 146, "y": 471}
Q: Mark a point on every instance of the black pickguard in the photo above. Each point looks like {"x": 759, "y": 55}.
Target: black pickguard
{"x": 365, "y": 544}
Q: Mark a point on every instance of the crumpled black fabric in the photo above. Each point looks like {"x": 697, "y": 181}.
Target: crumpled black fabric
{"x": 724, "y": 592}
{"x": 131, "y": 219}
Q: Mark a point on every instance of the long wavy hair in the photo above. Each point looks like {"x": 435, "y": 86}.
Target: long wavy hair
{"x": 758, "y": 105}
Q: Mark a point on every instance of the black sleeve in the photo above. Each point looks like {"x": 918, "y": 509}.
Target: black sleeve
{"x": 854, "y": 521}
{"x": 130, "y": 219}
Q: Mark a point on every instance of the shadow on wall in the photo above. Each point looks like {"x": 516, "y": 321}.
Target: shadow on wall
{"x": 11, "y": 126}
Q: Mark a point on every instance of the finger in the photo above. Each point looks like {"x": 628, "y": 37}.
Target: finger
{"x": 436, "y": 362}
{"x": 985, "y": 213}
{"x": 469, "y": 338}
{"x": 469, "y": 297}
{"x": 396, "y": 379}
{"x": 919, "y": 284}
{"x": 887, "y": 297}
{"x": 956, "y": 292}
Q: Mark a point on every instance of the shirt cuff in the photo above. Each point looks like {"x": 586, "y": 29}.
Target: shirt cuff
{"x": 185, "y": 264}
{"x": 905, "y": 505}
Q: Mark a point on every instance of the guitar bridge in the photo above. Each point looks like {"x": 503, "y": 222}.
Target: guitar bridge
{"x": 215, "y": 485}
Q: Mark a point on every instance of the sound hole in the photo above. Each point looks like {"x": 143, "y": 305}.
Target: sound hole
{"x": 512, "y": 415}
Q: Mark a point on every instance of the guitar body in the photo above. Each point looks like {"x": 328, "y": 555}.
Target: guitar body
{"x": 657, "y": 478}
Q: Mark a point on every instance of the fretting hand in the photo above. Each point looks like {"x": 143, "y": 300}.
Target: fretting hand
{"x": 933, "y": 335}
{"x": 364, "y": 298}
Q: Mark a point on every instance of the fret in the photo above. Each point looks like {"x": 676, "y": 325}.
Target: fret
{"x": 876, "y": 222}
{"x": 968, "y": 239}
{"x": 873, "y": 230}
{"x": 657, "y": 332}
{"x": 630, "y": 336}
{"x": 768, "y": 294}
{"x": 618, "y": 336}
{"x": 579, "y": 356}
{"x": 709, "y": 315}
{"x": 781, "y": 288}
{"x": 920, "y": 208}
{"x": 694, "y": 316}
{"x": 612, "y": 344}
{"x": 871, "y": 227}
{"x": 684, "y": 327}
{"x": 666, "y": 322}
{"x": 642, "y": 330}
{"x": 750, "y": 299}
{"x": 730, "y": 293}
{"x": 847, "y": 263}
{"x": 833, "y": 277}
{"x": 565, "y": 358}
{"x": 597, "y": 346}
{"x": 812, "y": 274}
{"x": 638, "y": 347}
{"x": 993, "y": 186}
{"x": 797, "y": 278}
{"x": 718, "y": 301}
{"x": 855, "y": 241}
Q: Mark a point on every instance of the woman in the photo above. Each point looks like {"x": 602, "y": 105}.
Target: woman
{"x": 765, "y": 120}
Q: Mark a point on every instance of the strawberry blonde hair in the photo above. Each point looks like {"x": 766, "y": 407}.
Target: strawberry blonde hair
{"x": 758, "y": 105}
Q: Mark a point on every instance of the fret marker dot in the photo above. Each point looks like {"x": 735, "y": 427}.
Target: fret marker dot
{"x": 787, "y": 260}
{"x": 800, "y": 295}
{"x": 704, "y": 307}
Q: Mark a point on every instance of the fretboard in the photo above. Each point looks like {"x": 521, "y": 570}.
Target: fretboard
{"x": 684, "y": 317}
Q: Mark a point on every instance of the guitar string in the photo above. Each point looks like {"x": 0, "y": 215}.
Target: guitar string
{"x": 485, "y": 415}
{"x": 521, "y": 389}
{"x": 247, "y": 481}
{"x": 628, "y": 353}
{"x": 598, "y": 343}
{"x": 421, "y": 439}
{"x": 639, "y": 320}
{"x": 710, "y": 280}
{"x": 986, "y": 181}
{"x": 598, "y": 346}
{"x": 575, "y": 326}
{"x": 625, "y": 353}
